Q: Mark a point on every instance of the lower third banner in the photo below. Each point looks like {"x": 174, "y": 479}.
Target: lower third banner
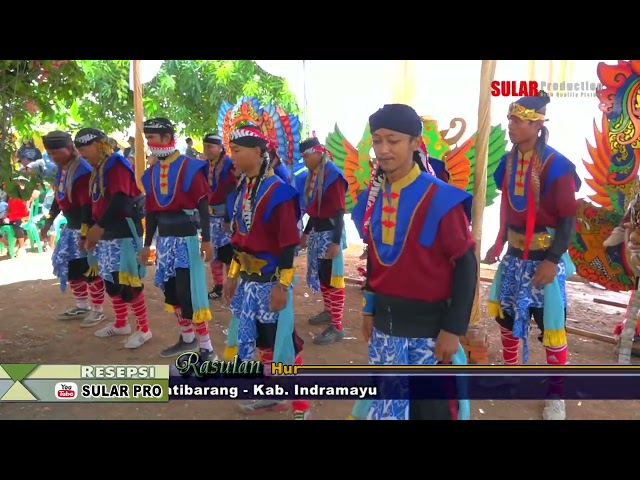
{"x": 413, "y": 387}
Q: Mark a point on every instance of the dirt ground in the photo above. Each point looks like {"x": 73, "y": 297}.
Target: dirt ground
{"x": 30, "y": 297}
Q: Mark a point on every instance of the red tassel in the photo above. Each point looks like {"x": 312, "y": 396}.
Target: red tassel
{"x": 531, "y": 213}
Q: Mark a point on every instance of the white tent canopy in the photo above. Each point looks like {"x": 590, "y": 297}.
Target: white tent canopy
{"x": 346, "y": 92}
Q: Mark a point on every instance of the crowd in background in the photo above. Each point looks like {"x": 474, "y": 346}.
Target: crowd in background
{"x": 31, "y": 163}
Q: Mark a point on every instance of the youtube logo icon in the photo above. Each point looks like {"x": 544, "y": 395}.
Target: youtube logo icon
{"x": 66, "y": 391}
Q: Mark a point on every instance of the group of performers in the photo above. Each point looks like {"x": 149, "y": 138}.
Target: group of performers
{"x": 421, "y": 271}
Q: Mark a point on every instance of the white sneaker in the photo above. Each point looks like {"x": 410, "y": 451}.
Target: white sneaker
{"x": 138, "y": 339}
{"x": 75, "y": 312}
{"x": 554, "y": 410}
{"x": 111, "y": 330}
{"x": 92, "y": 319}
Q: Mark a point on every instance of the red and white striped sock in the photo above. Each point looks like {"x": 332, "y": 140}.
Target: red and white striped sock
{"x": 120, "y": 310}
{"x": 96, "y": 292}
{"x": 217, "y": 272}
{"x": 556, "y": 356}
{"x": 265, "y": 355}
{"x": 139, "y": 309}
{"x": 186, "y": 326}
{"x": 203, "y": 336}
{"x": 80, "y": 293}
{"x": 510, "y": 346}
{"x": 334, "y": 304}
{"x": 300, "y": 405}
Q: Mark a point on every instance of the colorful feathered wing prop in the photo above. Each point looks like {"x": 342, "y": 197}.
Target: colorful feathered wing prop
{"x": 346, "y": 157}
{"x": 614, "y": 179}
{"x": 281, "y": 128}
{"x": 356, "y": 163}
{"x": 461, "y": 162}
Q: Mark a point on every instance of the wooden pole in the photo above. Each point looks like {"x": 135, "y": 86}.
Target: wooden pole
{"x": 476, "y": 340}
{"x": 138, "y": 113}
{"x": 480, "y": 174}
{"x": 404, "y": 82}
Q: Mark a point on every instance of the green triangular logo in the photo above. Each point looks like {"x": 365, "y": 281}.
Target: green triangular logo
{"x": 18, "y": 392}
{"x": 19, "y": 371}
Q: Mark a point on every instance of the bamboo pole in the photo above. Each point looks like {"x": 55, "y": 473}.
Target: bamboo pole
{"x": 138, "y": 113}
{"x": 404, "y": 82}
{"x": 487, "y": 74}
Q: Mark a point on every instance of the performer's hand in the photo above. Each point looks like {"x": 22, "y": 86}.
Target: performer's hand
{"x": 226, "y": 226}
{"x": 367, "y": 327}
{"x": 89, "y": 245}
{"x": 446, "y": 346}
{"x": 545, "y": 273}
{"x": 633, "y": 247}
{"x": 304, "y": 240}
{"x": 491, "y": 257}
{"x": 83, "y": 244}
{"x": 278, "y": 298}
{"x": 206, "y": 250}
{"x": 145, "y": 253}
{"x": 332, "y": 252}
{"x": 94, "y": 234}
{"x": 229, "y": 289}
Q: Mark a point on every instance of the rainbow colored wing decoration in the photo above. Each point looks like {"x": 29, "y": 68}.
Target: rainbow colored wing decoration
{"x": 346, "y": 157}
{"x": 437, "y": 146}
{"x": 614, "y": 179}
{"x": 282, "y": 129}
{"x": 497, "y": 148}
{"x": 460, "y": 162}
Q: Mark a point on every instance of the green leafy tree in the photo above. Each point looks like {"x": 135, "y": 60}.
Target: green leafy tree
{"x": 32, "y": 92}
{"x": 189, "y": 92}
{"x": 70, "y": 94}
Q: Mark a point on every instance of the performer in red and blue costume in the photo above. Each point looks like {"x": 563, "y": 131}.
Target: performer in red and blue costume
{"x": 177, "y": 206}
{"x": 421, "y": 267}
{"x": 276, "y": 164}
{"x": 537, "y": 220}
{"x": 264, "y": 214}
{"x": 221, "y": 175}
{"x": 323, "y": 196}
{"x": 70, "y": 259}
{"x": 115, "y": 238}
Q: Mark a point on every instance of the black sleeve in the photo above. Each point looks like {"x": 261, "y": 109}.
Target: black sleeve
{"x": 203, "y": 209}
{"x": 54, "y": 211}
{"x": 465, "y": 280}
{"x": 118, "y": 203}
{"x": 287, "y": 256}
{"x": 338, "y": 222}
{"x": 308, "y": 227}
{"x": 150, "y": 227}
{"x": 562, "y": 238}
{"x": 86, "y": 216}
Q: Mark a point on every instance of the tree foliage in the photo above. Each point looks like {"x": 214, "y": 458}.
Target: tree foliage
{"x": 70, "y": 94}
{"x": 188, "y": 92}
{"x": 33, "y": 92}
